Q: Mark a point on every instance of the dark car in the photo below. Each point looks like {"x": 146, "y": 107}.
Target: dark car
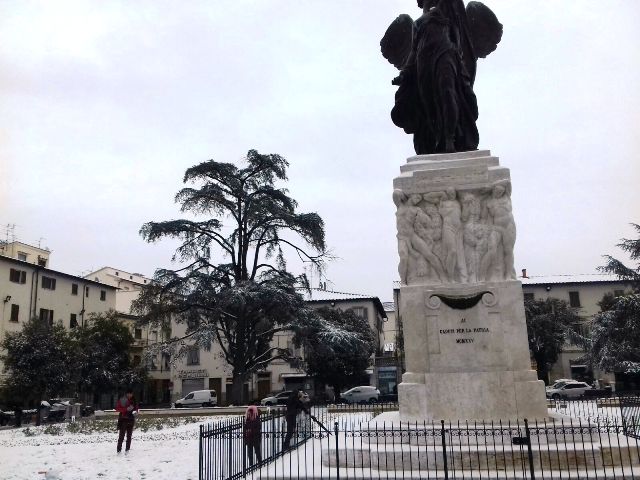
{"x": 6, "y": 418}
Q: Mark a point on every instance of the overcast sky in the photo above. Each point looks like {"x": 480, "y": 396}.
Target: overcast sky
{"x": 105, "y": 104}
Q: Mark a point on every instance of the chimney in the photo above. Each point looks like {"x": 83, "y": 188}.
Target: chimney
{"x": 524, "y": 273}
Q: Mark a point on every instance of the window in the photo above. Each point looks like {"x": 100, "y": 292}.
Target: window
{"x": 103, "y": 295}
{"x": 15, "y": 310}
{"x": 529, "y": 297}
{"x": 136, "y": 360}
{"x": 361, "y": 312}
{"x": 22, "y": 256}
{"x": 48, "y": 283}
{"x": 17, "y": 276}
{"x": 42, "y": 262}
{"x": 166, "y": 361}
{"x": 117, "y": 274}
{"x": 74, "y": 289}
{"x": 86, "y": 292}
{"x": 574, "y": 299}
{"x": 73, "y": 321}
{"x": 46, "y": 315}
{"x": 193, "y": 356}
{"x": 137, "y": 334}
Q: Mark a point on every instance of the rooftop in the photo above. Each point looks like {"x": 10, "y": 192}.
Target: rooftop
{"x": 576, "y": 278}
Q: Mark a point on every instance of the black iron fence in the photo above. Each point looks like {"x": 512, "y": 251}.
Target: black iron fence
{"x": 630, "y": 412}
{"x": 361, "y": 444}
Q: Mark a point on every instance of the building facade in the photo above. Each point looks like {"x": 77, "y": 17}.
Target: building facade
{"x": 128, "y": 286}
{"x": 581, "y": 292}
{"x": 30, "y": 290}
{"x": 201, "y": 369}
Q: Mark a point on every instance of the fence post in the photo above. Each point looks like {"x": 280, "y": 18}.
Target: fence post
{"x": 230, "y": 464}
{"x": 200, "y": 454}
{"x": 444, "y": 451}
{"x": 529, "y": 450}
{"x": 335, "y": 430}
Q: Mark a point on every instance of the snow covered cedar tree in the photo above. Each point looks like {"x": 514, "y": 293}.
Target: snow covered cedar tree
{"x": 233, "y": 287}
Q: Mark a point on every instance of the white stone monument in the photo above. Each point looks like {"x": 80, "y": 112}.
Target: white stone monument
{"x": 461, "y": 305}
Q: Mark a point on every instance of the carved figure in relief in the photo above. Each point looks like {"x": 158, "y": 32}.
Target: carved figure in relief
{"x": 501, "y": 217}
{"x": 475, "y": 236}
{"x": 452, "y": 234}
{"x": 405, "y": 217}
{"x": 423, "y": 241}
{"x": 416, "y": 237}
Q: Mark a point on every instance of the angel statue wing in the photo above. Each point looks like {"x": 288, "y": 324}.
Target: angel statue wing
{"x": 484, "y": 27}
{"x": 397, "y": 41}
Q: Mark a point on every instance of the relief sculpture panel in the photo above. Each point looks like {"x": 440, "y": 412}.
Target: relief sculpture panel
{"x": 456, "y": 236}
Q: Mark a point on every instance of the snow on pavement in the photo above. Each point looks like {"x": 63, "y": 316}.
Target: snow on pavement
{"x": 170, "y": 453}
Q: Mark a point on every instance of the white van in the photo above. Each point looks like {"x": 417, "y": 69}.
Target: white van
{"x": 199, "y": 398}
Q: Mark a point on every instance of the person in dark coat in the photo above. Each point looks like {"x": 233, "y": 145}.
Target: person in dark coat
{"x": 17, "y": 414}
{"x": 253, "y": 433}
{"x": 294, "y": 406}
{"x": 128, "y": 408}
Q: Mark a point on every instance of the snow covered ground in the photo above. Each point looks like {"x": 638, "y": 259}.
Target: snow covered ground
{"x": 170, "y": 453}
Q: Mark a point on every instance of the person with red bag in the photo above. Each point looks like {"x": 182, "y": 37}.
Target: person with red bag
{"x": 128, "y": 408}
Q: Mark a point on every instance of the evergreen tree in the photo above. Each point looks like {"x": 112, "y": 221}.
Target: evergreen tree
{"x": 233, "y": 287}
{"x": 617, "y": 267}
{"x": 337, "y": 347}
{"x": 102, "y": 363}
{"x": 614, "y": 345}
{"x": 39, "y": 361}
{"x": 550, "y": 323}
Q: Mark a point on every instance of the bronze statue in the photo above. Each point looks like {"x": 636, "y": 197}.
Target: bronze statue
{"x": 437, "y": 56}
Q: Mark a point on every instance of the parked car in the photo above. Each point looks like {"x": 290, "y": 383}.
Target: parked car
{"x": 364, "y": 394}
{"x": 568, "y": 390}
{"x": 558, "y": 383}
{"x": 198, "y": 398}
{"x": 281, "y": 398}
{"x": 6, "y": 418}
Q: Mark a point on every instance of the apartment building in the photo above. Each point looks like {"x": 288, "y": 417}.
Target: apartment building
{"x": 582, "y": 292}
{"x": 202, "y": 369}
{"x": 31, "y": 290}
{"x": 128, "y": 287}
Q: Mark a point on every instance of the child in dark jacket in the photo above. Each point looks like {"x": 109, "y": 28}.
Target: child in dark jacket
{"x": 253, "y": 433}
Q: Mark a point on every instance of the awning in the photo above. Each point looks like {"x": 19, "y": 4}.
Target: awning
{"x": 293, "y": 375}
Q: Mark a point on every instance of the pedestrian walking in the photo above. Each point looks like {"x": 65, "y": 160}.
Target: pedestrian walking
{"x": 128, "y": 408}
{"x": 294, "y": 406}
{"x": 253, "y": 434}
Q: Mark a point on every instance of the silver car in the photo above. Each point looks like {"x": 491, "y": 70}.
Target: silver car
{"x": 568, "y": 390}
{"x": 364, "y": 394}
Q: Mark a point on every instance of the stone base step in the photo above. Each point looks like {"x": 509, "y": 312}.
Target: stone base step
{"x": 558, "y": 457}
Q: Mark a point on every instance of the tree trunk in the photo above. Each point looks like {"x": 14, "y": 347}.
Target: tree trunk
{"x": 237, "y": 388}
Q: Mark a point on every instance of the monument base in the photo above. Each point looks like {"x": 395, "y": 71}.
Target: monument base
{"x": 479, "y": 396}
{"x": 473, "y": 360}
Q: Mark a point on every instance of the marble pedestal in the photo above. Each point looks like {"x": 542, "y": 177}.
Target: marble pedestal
{"x": 462, "y": 311}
